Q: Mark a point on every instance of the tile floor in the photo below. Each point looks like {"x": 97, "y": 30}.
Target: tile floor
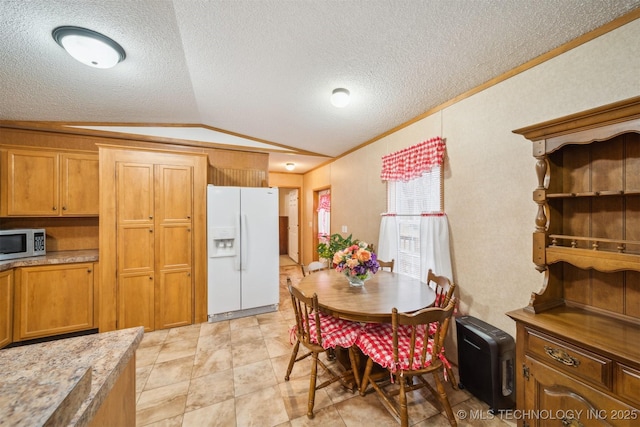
{"x": 231, "y": 373}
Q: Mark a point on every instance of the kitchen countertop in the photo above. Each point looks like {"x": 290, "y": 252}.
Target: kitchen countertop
{"x": 63, "y": 382}
{"x": 61, "y": 257}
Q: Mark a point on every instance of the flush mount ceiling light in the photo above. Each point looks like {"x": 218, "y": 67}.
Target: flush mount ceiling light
{"x": 290, "y": 166}
{"x": 89, "y": 47}
{"x": 340, "y": 97}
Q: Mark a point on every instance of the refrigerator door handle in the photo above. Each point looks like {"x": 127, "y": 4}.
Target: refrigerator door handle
{"x": 243, "y": 243}
{"x": 238, "y": 249}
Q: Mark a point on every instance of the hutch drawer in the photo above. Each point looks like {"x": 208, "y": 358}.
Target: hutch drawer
{"x": 574, "y": 361}
{"x": 628, "y": 383}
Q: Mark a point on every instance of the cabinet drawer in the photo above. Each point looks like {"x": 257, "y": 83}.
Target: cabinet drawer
{"x": 570, "y": 359}
{"x": 628, "y": 383}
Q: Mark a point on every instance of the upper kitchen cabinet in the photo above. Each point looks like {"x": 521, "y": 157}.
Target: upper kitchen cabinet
{"x": 49, "y": 183}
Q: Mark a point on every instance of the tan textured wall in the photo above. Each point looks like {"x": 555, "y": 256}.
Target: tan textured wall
{"x": 489, "y": 175}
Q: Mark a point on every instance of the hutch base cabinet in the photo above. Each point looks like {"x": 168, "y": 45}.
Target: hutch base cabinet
{"x": 578, "y": 340}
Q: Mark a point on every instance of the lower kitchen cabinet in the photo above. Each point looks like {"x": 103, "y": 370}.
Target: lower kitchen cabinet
{"x": 53, "y": 300}
{"x": 6, "y": 307}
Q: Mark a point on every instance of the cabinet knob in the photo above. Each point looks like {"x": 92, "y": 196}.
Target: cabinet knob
{"x": 150, "y": 230}
{"x": 150, "y": 216}
{"x": 89, "y": 271}
{"x": 150, "y": 277}
{"x": 188, "y": 229}
{"x": 188, "y": 216}
{"x": 64, "y": 208}
{"x": 55, "y": 208}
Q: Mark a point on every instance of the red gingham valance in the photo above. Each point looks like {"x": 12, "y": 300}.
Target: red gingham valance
{"x": 324, "y": 203}
{"x": 411, "y": 162}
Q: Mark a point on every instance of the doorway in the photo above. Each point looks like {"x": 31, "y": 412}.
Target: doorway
{"x": 290, "y": 223}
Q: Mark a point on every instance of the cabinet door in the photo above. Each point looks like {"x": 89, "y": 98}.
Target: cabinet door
{"x": 569, "y": 402}
{"x": 33, "y": 183}
{"x": 135, "y": 245}
{"x": 174, "y": 299}
{"x": 6, "y": 307}
{"x": 174, "y": 245}
{"x": 174, "y": 185}
{"x": 135, "y": 300}
{"x": 79, "y": 185}
{"x": 53, "y": 299}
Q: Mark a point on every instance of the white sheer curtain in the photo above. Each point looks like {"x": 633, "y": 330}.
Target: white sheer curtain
{"x": 388, "y": 239}
{"x": 434, "y": 246}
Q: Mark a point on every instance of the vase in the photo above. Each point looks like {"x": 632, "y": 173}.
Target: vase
{"x": 356, "y": 281}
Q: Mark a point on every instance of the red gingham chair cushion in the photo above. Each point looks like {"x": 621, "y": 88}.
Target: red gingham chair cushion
{"x": 335, "y": 332}
{"x": 376, "y": 341}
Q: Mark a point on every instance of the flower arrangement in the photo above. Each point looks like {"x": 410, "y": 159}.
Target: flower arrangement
{"x": 356, "y": 261}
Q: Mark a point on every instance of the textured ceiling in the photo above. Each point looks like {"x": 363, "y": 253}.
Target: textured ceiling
{"x": 265, "y": 69}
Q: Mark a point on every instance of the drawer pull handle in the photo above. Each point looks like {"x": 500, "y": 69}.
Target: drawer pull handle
{"x": 571, "y": 422}
{"x": 561, "y": 356}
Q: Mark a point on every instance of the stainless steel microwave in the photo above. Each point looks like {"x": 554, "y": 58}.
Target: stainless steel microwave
{"x": 22, "y": 243}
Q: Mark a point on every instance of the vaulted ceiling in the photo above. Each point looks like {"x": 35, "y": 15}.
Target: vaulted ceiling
{"x": 258, "y": 74}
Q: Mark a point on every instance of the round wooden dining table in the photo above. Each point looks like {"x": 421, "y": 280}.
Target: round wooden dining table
{"x": 370, "y": 303}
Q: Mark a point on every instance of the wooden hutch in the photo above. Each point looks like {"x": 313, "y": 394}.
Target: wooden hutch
{"x": 578, "y": 340}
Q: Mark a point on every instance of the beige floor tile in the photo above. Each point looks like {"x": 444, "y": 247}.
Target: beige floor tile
{"x": 210, "y": 389}
{"x": 146, "y": 356}
{"x": 142, "y": 375}
{"x": 325, "y": 417}
{"x": 244, "y": 335}
{"x": 161, "y": 403}
{"x": 215, "y": 328}
{"x": 249, "y": 352}
{"x": 153, "y": 338}
{"x": 168, "y": 422}
{"x": 295, "y": 394}
{"x": 221, "y": 414}
{"x": 301, "y": 369}
{"x": 183, "y": 333}
{"x": 211, "y": 361}
{"x": 261, "y": 408}
{"x": 173, "y": 371}
{"x": 252, "y": 377}
{"x": 353, "y": 411}
{"x": 176, "y": 350}
{"x": 243, "y": 322}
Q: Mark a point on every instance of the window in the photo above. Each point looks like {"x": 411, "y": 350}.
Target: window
{"x": 409, "y": 201}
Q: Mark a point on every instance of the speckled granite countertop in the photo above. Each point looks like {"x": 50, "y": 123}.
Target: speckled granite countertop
{"x": 61, "y": 257}
{"x": 63, "y": 382}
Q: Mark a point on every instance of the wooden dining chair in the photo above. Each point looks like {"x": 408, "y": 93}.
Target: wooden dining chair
{"x": 407, "y": 352}
{"x": 444, "y": 290}
{"x": 314, "y": 266}
{"x": 387, "y": 264}
{"x": 318, "y": 333}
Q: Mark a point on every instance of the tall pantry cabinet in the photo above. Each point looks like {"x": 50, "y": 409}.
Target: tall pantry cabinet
{"x": 578, "y": 340}
{"x": 152, "y": 238}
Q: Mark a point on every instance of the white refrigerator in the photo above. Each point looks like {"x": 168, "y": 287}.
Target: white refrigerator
{"x": 243, "y": 255}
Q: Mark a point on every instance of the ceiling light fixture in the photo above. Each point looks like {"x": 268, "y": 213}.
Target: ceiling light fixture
{"x": 89, "y": 47}
{"x": 340, "y": 97}
{"x": 290, "y": 166}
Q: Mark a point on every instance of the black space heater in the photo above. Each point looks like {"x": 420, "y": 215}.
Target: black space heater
{"x": 486, "y": 359}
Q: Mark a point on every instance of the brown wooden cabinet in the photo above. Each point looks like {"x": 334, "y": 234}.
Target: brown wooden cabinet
{"x": 50, "y": 183}
{"x": 577, "y": 340}
{"x": 53, "y": 299}
{"x": 154, "y": 239}
{"x": 6, "y": 307}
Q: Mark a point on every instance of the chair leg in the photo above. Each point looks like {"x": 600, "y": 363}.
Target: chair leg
{"x": 355, "y": 366}
{"x": 312, "y": 385}
{"x": 442, "y": 397}
{"x": 402, "y": 400}
{"x": 452, "y": 378}
{"x": 365, "y": 377}
{"x": 294, "y": 354}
